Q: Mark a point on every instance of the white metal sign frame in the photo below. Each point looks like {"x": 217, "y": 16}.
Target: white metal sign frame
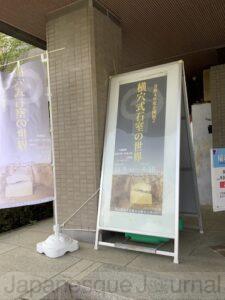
{"x": 167, "y": 224}
{"x": 192, "y": 184}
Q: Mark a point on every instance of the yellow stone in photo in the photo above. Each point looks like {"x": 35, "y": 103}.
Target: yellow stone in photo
{"x": 140, "y": 195}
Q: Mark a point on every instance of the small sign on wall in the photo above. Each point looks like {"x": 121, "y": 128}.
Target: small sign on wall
{"x": 218, "y": 178}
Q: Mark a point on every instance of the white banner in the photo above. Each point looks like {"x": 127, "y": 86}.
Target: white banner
{"x": 25, "y": 148}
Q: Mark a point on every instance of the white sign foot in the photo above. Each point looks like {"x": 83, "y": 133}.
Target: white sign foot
{"x": 57, "y": 245}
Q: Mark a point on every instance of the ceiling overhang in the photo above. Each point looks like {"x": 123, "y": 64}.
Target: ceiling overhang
{"x": 154, "y": 31}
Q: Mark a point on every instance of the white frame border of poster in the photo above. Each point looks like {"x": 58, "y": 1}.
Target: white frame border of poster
{"x": 175, "y": 85}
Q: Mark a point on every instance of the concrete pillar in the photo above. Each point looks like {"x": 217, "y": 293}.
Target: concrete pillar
{"x": 90, "y": 41}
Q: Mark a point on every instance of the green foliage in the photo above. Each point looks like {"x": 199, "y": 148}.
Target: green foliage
{"x": 11, "y": 49}
{"x": 11, "y": 218}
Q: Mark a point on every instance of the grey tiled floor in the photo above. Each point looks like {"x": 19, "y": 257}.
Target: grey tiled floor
{"x": 118, "y": 274}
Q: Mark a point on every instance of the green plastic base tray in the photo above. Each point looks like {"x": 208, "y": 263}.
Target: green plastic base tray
{"x": 152, "y": 239}
{"x": 146, "y": 238}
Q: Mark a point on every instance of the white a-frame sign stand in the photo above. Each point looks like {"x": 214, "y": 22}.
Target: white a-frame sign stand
{"x": 148, "y": 172}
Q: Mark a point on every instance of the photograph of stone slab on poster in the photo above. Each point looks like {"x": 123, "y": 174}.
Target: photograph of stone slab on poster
{"x": 26, "y": 184}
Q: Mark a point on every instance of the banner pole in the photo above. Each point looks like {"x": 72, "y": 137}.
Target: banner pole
{"x": 59, "y": 243}
{"x": 29, "y": 57}
{"x": 56, "y": 227}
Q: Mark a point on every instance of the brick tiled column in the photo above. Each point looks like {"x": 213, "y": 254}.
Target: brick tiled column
{"x": 90, "y": 43}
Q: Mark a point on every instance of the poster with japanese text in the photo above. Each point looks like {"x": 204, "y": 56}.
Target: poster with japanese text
{"x": 25, "y": 147}
{"x": 137, "y": 181}
{"x": 218, "y": 178}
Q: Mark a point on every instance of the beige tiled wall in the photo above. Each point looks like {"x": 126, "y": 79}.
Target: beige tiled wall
{"x": 108, "y": 50}
{"x": 217, "y": 91}
{"x": 90, "y": 44}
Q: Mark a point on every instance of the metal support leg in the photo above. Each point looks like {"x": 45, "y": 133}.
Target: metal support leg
{"x": 176, "y": 250}
{"x": 96, "y": 239}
